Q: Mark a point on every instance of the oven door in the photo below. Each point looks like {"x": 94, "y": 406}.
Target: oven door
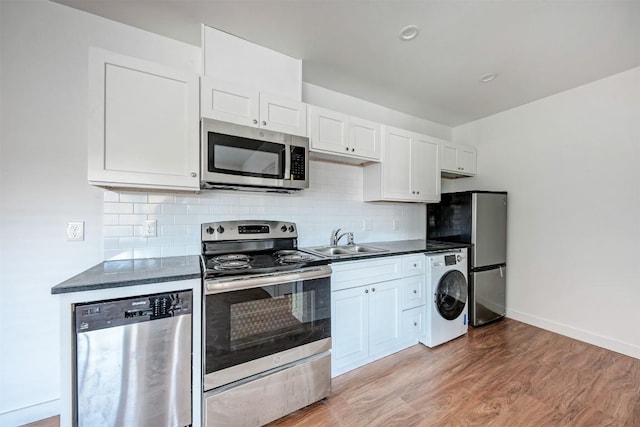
{"x": 250, "y": 330}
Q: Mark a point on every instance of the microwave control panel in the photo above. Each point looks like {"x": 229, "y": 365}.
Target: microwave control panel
{"x": 298, "y": 172}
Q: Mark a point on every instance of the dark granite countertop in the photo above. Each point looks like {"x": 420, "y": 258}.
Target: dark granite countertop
{"x": 131, "y": 272}
{"x": 400, "y": 247}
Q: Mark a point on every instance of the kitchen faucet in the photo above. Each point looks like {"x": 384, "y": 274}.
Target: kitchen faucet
{"x": 335, "y": 238}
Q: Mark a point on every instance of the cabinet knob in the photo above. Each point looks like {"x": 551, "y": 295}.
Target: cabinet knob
{"x": 415, "y": 323}
{"x": 264, "y": 123}
{"x": 373, "y": 289}
{"x": 415, "y": 291}
{"x": 255, "y": 122}
{"x": 353, "y": 149}
{"x": 366, "y": 291}
{"x": 347, "y": 149}
{"x": 415, "y": 265}
{"x": 193, "y": 174}
{"x": 417, "y": 192}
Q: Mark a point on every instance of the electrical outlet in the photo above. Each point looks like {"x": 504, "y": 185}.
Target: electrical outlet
{"x": 150, "y": 228}
{"x": 75, "y": 230}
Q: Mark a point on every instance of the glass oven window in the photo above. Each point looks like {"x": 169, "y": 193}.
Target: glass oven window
{"x": 247, "y": 157}
{"x": 248, "y": 324}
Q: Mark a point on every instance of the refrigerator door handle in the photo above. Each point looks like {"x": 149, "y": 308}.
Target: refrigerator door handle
{"x": 501, "y": 272}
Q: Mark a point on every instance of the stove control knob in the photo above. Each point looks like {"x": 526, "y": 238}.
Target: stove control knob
{"x": 220, "y": 229}
{"x": 291, "y": 229}
{"x": 210, "y": 230}
{"x": 283, "y": 228}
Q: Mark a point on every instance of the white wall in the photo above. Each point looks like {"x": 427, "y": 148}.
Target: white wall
{"x": 571, "y": 165}
{"x": 44, "y": 49}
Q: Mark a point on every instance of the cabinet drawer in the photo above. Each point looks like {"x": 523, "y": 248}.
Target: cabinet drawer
{"x": 413, "y": 324}
{"x": 357, "y": 273}
{"x": 413, "y": 265}
{"x": 412, "y": 289}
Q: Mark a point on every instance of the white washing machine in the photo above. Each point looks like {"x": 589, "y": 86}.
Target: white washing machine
{"x": 447, "y": 291}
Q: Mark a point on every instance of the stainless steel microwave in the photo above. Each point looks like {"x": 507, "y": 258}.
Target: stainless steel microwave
{"x": 242, "y": 157}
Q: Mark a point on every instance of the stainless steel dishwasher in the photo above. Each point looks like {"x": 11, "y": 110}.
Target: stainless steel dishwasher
{"x": 133, "y": 361}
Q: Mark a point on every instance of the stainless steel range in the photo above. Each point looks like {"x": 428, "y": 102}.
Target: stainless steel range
{"x": 267, "y": 323}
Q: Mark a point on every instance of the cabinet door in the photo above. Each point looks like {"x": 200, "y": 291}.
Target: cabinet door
{"x": 143, "y": 124}
{"x": 349, "y": 326}
{"x": 425, "y": 159}
{"x": 283, "y": 115}
{"x": 229, "y": 103}
{"x": 449, "y": 159}
{"x": 384, "y": 317}
{"x": 364, "y": 138}
{"x": 467, "y": 160}
{"x": 396, "y": 164}
{"x": 328, "y": 130}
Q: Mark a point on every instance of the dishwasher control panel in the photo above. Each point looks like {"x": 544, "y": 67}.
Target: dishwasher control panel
{"x": 110, "y": 313}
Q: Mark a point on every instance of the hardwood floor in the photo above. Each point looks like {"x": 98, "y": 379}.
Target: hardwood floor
{"x": 504, "y": 374}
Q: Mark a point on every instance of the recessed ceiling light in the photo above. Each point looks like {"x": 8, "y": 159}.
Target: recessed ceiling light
{"x": 488, "y": 77}
{"x": 409, "y": 32}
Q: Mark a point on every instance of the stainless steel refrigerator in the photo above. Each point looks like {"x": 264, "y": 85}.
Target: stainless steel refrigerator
{"x": 479, "y": 219}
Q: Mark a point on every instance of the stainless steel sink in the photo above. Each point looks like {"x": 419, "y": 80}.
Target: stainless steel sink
{"x": 346, "y": 250}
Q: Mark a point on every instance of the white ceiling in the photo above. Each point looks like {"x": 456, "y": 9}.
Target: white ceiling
{"x": 536, "y": 47}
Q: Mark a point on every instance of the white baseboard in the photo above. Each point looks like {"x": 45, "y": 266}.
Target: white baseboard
{"x": 576, "y": 333}
{"x": 30, "y": 414}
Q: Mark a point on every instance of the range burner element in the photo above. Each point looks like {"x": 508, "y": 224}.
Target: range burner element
{"x": 232, "y": 257}
{"x": 292, "y": 257}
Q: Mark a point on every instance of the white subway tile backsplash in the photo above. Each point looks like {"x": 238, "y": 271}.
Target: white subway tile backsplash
{"x": 152, "y": 252}
{"x": 132, "y": 242}
{"x": 134, "y": 197}
{"x": 334, "y": 200}
{"x": 111, "y": 196}
{"x": 117, "y": 254}
{"x": 173, "y": 230}
{"x": 111, "y": 219}
{"x": 147, "y": 208}
{"x": 174, "y": 209}
{"x": 197, "y": 209}
{"x": 126, "y": 219}
{"x": 118, "y": 230}
{"x": 118, "y": 208}
{"x": 161, "y": 198}
{"x": 174, "y": 251}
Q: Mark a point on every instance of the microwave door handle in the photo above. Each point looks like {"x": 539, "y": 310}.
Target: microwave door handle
{"x": 287, "y": 162}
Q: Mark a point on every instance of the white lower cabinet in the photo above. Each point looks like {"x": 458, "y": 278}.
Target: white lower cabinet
{"x": 369, "y": 316}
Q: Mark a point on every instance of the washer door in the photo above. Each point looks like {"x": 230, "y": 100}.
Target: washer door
{"x": 451, "y": 294}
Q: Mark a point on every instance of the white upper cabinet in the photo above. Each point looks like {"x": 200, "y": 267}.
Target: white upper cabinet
{"x": 230, "y": 103}
{"x": 457, "y": 160}
{"x": 343, "y": 137}
{"x": 143, "y": 124}
{"x": 410, "y": 169}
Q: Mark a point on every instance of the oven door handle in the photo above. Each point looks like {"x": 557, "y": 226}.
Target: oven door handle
{"x": 226, "y": 284}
